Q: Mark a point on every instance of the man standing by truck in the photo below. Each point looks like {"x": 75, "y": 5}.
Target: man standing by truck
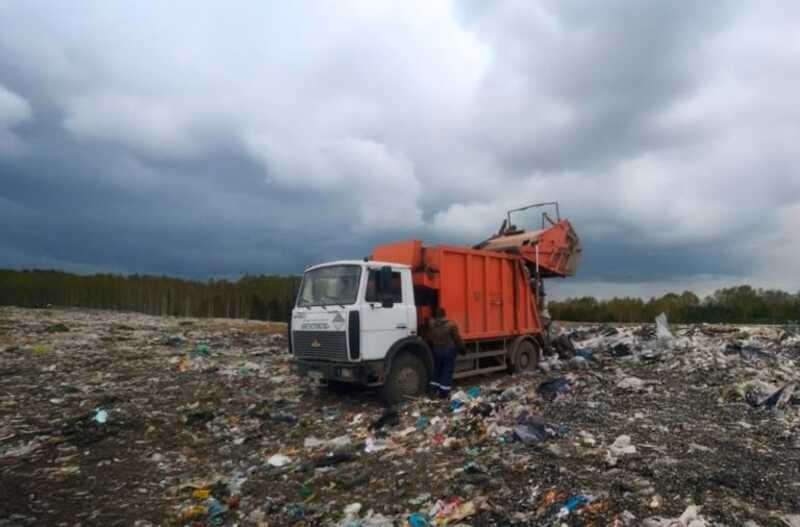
{"x": 445, "y": 338}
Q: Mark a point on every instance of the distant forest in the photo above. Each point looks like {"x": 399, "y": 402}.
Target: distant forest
{"x": 271, "y": 297}
{"x": 741, "y": 304}
{"x": 254, "y": 297}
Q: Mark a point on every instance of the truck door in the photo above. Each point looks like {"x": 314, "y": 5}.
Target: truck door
{"x": 383, "y": 326}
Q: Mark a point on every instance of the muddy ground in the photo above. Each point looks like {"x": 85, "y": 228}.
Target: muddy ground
{"x": 125, "y": 419}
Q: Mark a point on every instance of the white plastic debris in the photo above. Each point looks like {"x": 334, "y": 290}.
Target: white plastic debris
{"x": 375, "y": 445}
{"x": 279, "y": 460}
{"x": 792, "y": 520}
{"x": 691, "y": 517}
{"x": 353, "y": 509}
{"x": 100, "y": 416}
{"x": 586, "y": 439}
{"x": 312, "y": 443}
{"x": 633, "y": 384}
{"x": 662, "y": 327}
{"x": 622, "y": 446}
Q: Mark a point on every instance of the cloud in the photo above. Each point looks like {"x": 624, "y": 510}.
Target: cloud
{"x": 151, "y": 128}
{"x": 382, "y": 184}
{"x": 778, "y": 264}
{"x": 195, "y": 139}
{"x": 14, "y": 110}
{"x": 650, "y": 128}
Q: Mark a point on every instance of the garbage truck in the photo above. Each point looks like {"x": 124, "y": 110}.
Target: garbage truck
{"x": 363, "y": 321}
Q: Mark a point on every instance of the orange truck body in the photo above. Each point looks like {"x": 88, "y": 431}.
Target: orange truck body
{"x": 486, "y": 293}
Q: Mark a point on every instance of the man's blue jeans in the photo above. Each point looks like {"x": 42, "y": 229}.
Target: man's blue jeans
{"x": 444, "y": 362}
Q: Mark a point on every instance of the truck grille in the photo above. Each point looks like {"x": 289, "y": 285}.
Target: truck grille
{"x": 332, "y": 345}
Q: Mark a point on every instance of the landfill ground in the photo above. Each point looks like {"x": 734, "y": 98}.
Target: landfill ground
{"x": 113, "y": 418}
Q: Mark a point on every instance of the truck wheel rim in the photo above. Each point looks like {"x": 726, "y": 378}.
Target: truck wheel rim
{"x": 407, "y": 380}
{"x": 524, "y": 360}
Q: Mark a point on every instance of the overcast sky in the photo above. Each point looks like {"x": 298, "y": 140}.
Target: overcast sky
{"x": 210, "y": 139}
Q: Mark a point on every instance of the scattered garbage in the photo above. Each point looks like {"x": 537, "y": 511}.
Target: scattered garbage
{"x": 620, "y": 447}
{"x": 777, "y": 400}
{"x": 279, "y": 460}
{"x": 339, "y": 442}
{"x": 551, "y": 389}
{"x": 662, "y": 327}
{"x": 199, "y": 417}
{"x": 417, "y": 519}
{"x": 571, "y": 504}
{"x": 201, "y": 494}
{"x": 691, "y": 517}
{"x": 629, "y": 427}
{"x": 333, "y": 459}
{"x": 305, "y": 491}
{"x": 375, "y": 445}
{"x": 578, "y": 363}
{"x": 447, "y": 513}
{"x": 532, "y": 429}
{"x": 215, "y": 511}
{"x": 621, "y": 349}
{"x": 632, "y": 384}
{"x": 512, "y": 393}
{"x": 791, "y": 520}
{"x": 352, "y": 509}
{"x": 100, "y": 416}
{"x": 564, "y": 347}
{"x": 390, "y": 418}
{"x": 174, "y": 341}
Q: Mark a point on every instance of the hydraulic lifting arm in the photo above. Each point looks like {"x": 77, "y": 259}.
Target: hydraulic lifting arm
{"x": 553, "y": 250}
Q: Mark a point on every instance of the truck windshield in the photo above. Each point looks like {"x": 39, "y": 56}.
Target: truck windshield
{"x": 337, "y": 284}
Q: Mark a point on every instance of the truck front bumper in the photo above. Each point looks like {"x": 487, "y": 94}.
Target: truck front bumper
{"x": 366, "y": 373}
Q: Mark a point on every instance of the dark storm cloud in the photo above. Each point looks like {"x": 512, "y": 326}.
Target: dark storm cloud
{"x": 197, "y": 140}
{"x": 591, "y": 77}
{"x": 96, "y": 208}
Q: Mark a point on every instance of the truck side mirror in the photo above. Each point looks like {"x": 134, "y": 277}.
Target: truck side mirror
{"x": 385, "y": 286}
{"x": 295, "y": 292}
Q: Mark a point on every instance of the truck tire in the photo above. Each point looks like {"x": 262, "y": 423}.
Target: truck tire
{"x": 525, "y": 357}
{"x": 407, "y": 377}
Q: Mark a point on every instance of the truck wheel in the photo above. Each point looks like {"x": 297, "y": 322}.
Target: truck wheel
{"x": 407, "y": 377}
{"x": 526, "y": 357}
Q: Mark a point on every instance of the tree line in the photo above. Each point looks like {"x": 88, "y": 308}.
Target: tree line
{"x": 263, "y": 297}
{"x": 270, "y": 297}
{"x": 740, "y": 304}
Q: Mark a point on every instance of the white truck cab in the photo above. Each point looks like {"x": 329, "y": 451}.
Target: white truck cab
{"x": 355, "y": 321}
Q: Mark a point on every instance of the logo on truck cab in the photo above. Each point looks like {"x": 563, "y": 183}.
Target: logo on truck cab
{"x": 315, "y": 325}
